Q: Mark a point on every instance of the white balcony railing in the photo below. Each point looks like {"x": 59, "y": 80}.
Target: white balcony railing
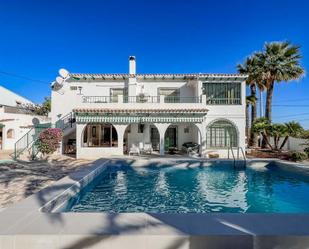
{"x": 142, "y": 99}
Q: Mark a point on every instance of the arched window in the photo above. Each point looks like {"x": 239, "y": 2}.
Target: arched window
{"x": 221, "y": 134}
{"x": 10, "y": 133}
{"x": 100, "y": 135}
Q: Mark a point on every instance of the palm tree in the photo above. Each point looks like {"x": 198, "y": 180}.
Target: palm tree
{"x": 279, "y": 62}
{"x": 252, "y": 68}
{"x": 250, "y": 100}
{"x": 263, "y": 126}
{"x": 294, "y": 129}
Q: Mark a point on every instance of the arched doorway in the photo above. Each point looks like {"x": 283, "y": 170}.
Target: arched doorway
{"x": 99, "y": 135}
{"x": 221, "y": 134}
{"x": 179, "y": 137}
{"x": 141, "y": 135}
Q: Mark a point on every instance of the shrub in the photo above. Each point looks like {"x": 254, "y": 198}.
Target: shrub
{"x": 298, "y": 156}
{"x": 48, "y": 140}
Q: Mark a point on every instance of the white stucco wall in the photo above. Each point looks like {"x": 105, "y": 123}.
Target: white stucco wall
{"x": 17, "y": 122}
{"x": 64, "y": 100}
{"x": 10, "y": 98}
{"x": 293, "y": 143}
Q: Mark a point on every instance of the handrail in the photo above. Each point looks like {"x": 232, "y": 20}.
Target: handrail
{"x": 228, "y": 154}
{"x": 26, "y": 140}
{"x": 244, "y": 156}
{"x": 31, "y": 137}
{"x": 238, "y": 149}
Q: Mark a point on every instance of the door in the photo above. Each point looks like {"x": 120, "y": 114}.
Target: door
{"x": 155, "y": 138}
{"x": 171, "y": 137}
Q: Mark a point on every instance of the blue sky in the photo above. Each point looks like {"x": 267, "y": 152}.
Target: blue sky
{"x": 39, "y": 37}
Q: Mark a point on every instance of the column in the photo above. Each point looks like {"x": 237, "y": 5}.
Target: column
{"x": 120, "y": 128}
{"x": 162, "y": 128}
{"x": 79, "y": 137}
{"x": 202, "y": 138}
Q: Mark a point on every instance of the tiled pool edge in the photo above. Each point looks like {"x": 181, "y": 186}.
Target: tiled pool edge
{"x": 59, "y": 201}
{"x": 24, "y": 224}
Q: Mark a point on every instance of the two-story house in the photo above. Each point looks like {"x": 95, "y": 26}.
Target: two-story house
{"x": 114, "y": 113}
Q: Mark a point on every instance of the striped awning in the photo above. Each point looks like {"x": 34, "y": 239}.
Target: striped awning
{"x": 142, "y": 110}
{"x": 136, "y": 119}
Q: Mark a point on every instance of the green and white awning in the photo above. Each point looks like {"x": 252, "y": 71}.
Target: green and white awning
{"x": 129, "y": 116}
{"x": 137, "y": 119}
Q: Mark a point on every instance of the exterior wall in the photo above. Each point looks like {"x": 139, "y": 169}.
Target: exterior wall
{"x": 293, "y": 143}
{"x": 10, "y": 98}
{"x": 20, "y": 123}
{"x": 152, "y": 87}
{"x": 65, "y": 100}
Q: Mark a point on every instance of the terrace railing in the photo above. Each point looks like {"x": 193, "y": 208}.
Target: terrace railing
{"x": 66, "y": 121}
{"x": 28, "y": 139}
{"x": 178, "y": 99}
{"x": 223, "y": 101}
{"x": 141, "y": 99}
{"x": 99, "y": 99}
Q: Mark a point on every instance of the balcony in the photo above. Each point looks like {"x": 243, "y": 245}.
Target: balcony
{"x": 142, "y": 99}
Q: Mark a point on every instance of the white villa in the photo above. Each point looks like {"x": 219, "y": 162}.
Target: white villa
{"x": 116, "y": 114}
{"x": 15, "y": 121}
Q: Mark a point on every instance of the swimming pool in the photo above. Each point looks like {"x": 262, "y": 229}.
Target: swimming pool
{"x": 194, "y": 188}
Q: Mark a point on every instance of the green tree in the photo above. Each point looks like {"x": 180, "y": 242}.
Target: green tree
{"x": 294, "y": 129}
{"x": 277, "y": 131}
{"x": 280, "y": 61}
{"x": 250, "y": 100}
{"x": 262, "y": 126}
{"x": 252, "y": 68}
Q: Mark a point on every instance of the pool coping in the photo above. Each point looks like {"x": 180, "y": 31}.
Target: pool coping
{"x": 25, "y": 218}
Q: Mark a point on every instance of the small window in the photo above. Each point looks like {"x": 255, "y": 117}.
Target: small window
{"x": 186, "y": 129}
{"x": 10, "y": 133}
{"x": 73, "y": 88}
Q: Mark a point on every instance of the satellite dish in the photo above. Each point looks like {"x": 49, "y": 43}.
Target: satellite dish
{"x": 63, "y": 73}
{"x": 59, "y": 80}
{"x": 56, "y": 85}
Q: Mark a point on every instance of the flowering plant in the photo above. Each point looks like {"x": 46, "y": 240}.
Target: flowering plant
{"x": 48, "y": 140}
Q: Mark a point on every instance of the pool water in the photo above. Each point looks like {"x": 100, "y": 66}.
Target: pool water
{"x": 216, "y": 188}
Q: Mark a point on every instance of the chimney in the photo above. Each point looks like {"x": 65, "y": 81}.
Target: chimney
{"x": 132, "y": 65}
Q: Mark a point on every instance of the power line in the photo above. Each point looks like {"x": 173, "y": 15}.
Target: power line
{"x": 24, "y": 77}
{"x": 291, "y": 105}
{"x": 292, "y": 115}
{"x": 291, "y": 101}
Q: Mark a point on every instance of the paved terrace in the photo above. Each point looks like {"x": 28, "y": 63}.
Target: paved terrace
{"x": 18, "y": 180}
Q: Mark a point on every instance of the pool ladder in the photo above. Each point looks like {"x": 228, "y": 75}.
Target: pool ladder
{"x": 232, "y": 153}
